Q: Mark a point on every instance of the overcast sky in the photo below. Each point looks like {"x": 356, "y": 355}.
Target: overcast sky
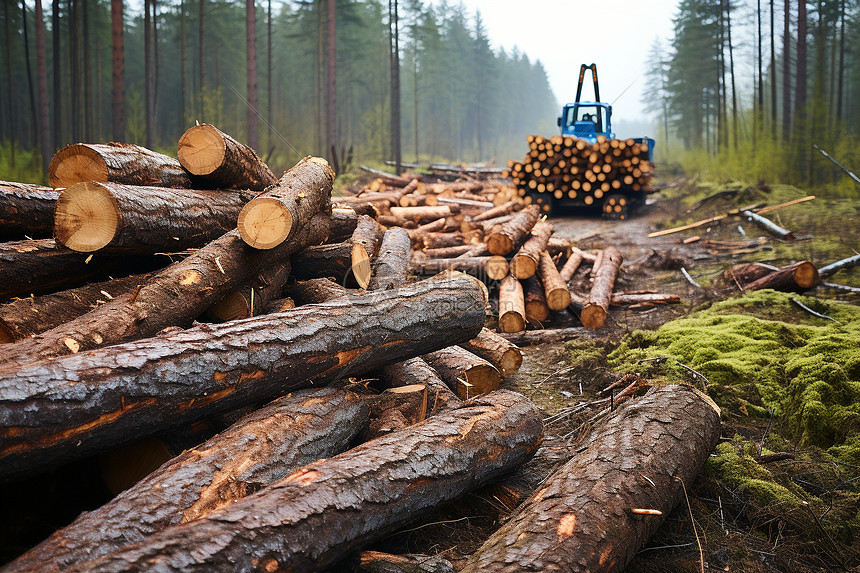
{"x": 562, "y": 34}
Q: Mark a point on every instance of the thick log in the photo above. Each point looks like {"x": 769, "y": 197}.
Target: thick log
{"x": 254, "y": 296}
{"x": 365, "y": 242}
{"x": 584, "y": 517}
{"x": 596, "y": 309}
{"x": 392, "y": 265}
{"x": 798, "y": 276}
{"x": 343, "y": 222}
{"x": 123, "y": 219}
{"x": 833, "y": 268}
{"x": 327, "y": 509}
{"x": 467, "y": 374}
{"x": 25, "y": 317}
{"x": 743, "y": 274}
{"x": 554, "y": 287}
{"x": 77, "y": 405}
{"x": 417, "y": 371}
{"x": 492, "y": 347}
{"x": 213, "y": 156}
{"x": 425, "y": 214}
{"x": 494, "y": 268}
{"x": 175, "y": 296}
{"x": 115, "y": 163}
{"x": 512, "y": 306}
{"x": 258, "y": 450}
{"x": 323, "y": 261}
{"x": 276, "y": 215}
{"x": 769, "y": 226}
{"x": 501, "y": 240}
{"x": 26, "y": 210}
{"x": 550, "y": 335}
{"x": 525, "y": 262}
{"x": 537, "y": 309}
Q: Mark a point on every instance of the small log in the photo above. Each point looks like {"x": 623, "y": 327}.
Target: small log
{"x": 123, "y": 219}
{"x": 582, "y": 518}
{"x": 448, "y": 252}
{"x": 378, "y": 562}
{"x": 276, "y": 215}
{"x": 537, "y": 309}
{"x": 438, "y": 240}
{"x": 343, "y": 222}
{"x": 502, "y": 239}
{"x": 596, "y": 309}
{"x": 498, "y": 211}
{"x": 425, "y": 214}
{"x": 549, "y": 335}
{"x": 253, "y": 297}
{"x": 365, "y": 242}
{"x": 743, "y": 274}
{"x": 467, "y": 374}
{"x": 570, "y": 266}
{"x": 465, "y": 203}
{"x": 525, "y": 262}
{"x": 392, "y": 265}
{"x": 395, "y": 409}
{"x": 279, "y": 305}
{"x": 622, "y": 299}
{"x": 259, "y": 449}
{"x": 366, "y": 204}
{"x": 26, "y": 210}
{"x": 330, "y": 508}
{"x": 122, "y": 163}
{"x": 493, "y": 268}
{"x": 833, "y": 268}
{"x": 323, "y": 261}
{"x": 387, "y": 178}
{"x": 74, "y": 406}
{"x": 598, "y": 260}
{"x": 512, "y": 307}
{"x": 417, "y": 371}
{"x": 477, "y": 250}
{"x": 769, "y": 226}
{"x": 798, "y": 276}
{"x": 554, "y": 287}
{"x": 498, "y": 351}
{"x": 315, "y": 291}
{"x": 488, "y": 224}
{"x": 212, "y": 155}
{"x": 431, "y": 227}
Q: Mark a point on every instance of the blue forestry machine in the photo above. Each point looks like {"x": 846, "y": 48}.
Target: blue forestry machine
{"x": 586, "y": 165}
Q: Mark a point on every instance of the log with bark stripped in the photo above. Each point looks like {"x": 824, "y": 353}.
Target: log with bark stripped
{"x": 73, "y": 406}
{"x": 501, "y": 240}
{"x": 259, "y": 449}
{"x": 833, "y": 268}
{"x": 213, "y": 156}
{"x": 26, "y": 210}
{"x": 588, "y": 516}
{"x": 525, "y": 262}
{"x": 498, "y": 351}
{"x": 512, "y": 306}
{"x": 467, "y": 374}
{"x": 596, "y": 309}
{"x": 325, "y": 510}
{"x": 116, "y": 163}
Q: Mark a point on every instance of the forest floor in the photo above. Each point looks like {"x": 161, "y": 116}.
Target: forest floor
{"x": 800, "y": 513}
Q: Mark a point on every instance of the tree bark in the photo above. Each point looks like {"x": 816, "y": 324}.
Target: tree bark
{"x": 117, "y": 72}
{"x": 769, "y": 226}
{"x": 582, "y": 518}
{"x": 492, "y": 347}
{"x": 449, "y": 252}
{"x": 570, "y": 266}
{"x": 550, "y": 335}
{"x": 465, "y": 373}
{"x": 798, "y": 276}
{"x": 251, "y": 72}
{"x": 323, "y": 261}
{"x": 395, "y": 409}
{"x": 314, "y": 291}
{"x": 45, "y": 144}
{"x": 554, "y": 287}
{"x": 392, "y": 265}
{"x": 378, "y": 562}
{"x": 499, "y": 211}
{"x": 502, "y": 239}
{"x": 215, "y": 157}
{"x": 596, "y": 309}
{"x": 425, "y": 214}
{"x": 276, "y": 215}
{"x": 365, "y": 242}
{"x": 833, "y": 268}
{"x": 252, "y": 298}
{"x": 115, "y": 163}
{"x": 122, "y": 219}
{"x": 743, "y": 274}
{"x": 525, "y": 262}
{"x": 259, "y": 449}
{"x": 26, "y": 209}
{"x": 537, "y": 310}
{"x": 494, "y": 268}
{"x": 438, "y": 240}
{"x": 417, "y": 371}
{"x": 512, "y": 306}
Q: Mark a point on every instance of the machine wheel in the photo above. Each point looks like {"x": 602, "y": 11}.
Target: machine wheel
{"x": 616, "y": 206}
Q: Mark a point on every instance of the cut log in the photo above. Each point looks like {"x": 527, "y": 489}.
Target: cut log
{"x": 315, "y": 291}
{"x": 448, "y": 252}
{"x": 258, "y": 450}
{"x": 324, "y": 261}
{"x": 833, "y": 268}
{"x": 504, "y": 355}
{"x": 395, "y": 409}
{"x": 254, "y": 296}
{"x": 25, "y": 317}
{"x": 212, "y": 155}
{"x": 279, "y": 305}
{"x": 417, "y": 371}
{"x": 501, "y": 240}
{"x": 494, "y": 268}
{"x": 343, "y": 223}
{"x": 26, "y": 210}
{"x": 74, "y": 406}
{"x": 554, "y": 287}
{"x": 378, "y": 562}
{"x": 798, "y": 276}
{"x": 512, "y": 306}
{"x": 582, "y": 518}
{"x": 425, "y": 214}
{"x": 498, "y": 211}
{"x": 596, "y": 309}
{"x": 392, "y": 265}
{"x": 549, "y": 335}
{"x": 525, "y": 262}
{"x": 769, "y": 226}
{"x": 115, "y": 163}
{"x": 537, "y": 310}
{"x": 276, "y": 215}
{"x": 327, "y": 509}
{"x": 438, "y": 240}
{"x": 622, "y": 299}
{"x": 570, "y": 266}
{"x": 741, "y": 275}
{"x": 365, "y": 243}
{"x": 123, "y": 219}
{"x": 467, "y": 374}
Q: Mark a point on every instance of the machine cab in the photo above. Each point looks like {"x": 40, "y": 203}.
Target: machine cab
{"x": 587, "y": 120}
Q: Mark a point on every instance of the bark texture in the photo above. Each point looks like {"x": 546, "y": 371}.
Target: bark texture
{"x": 319, "y": 513}
{"x": 77, "y": 405}
{"x": 554, "y": 287}
{"x": 581, "y": 519}
{"x": 465, "y": 373}
{"x": 525, "y": 262}
{"x": 258, "y": 450}
{"x": 596, "y": 309}
{"x": 392, "y": 265}
{"x": 323, "y": 261}
{"x": 493, "y": 268}
{"x": 117, "y": 163}
{"x": 501, "y": 240}
{"x": 213, "y": 156}
{"x": 365, "y": 242}
{"x": 797, "y": 276}
{"x": 254, "y": 296}
{"x": 26, "y": 209}
{"x": 512, "y": 306}
{"x": 417, "y": 371}
{"x": 498, "y": 351}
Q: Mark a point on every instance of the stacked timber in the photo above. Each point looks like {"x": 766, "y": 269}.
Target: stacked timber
{"x": 567, "y": 167}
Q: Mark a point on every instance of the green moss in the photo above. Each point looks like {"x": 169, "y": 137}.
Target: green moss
{"x": 584, "y": 353}
{"x": 735, "y": 467}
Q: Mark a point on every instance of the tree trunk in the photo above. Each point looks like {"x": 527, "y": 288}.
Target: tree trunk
{"x": 596, "y": 310}
{"x": 570, "y": 266}
{"x": 124, "y": 219}
{"x": 364, "y": 244}
{"x": 331, "y": 91}
{"x": 116, "y": 163}
{"x": 45, "y": 143}
{"x": 525, "y": 262}
{"x": 465, "y": 373}
{"x": 259, "y": 449}
{"x": 741, "y": 275}
{"x": 56, "y": 43}
{"x": 504, "y": 355}
{"x": 798, "y": 276}
{"x": 502, "y": 239}
{"x": 551, "y": 335}
{"x": 392, "y": 265}
{"x": 833, "y": 268}
{"x": 278, "y": 214}
{"x": 149, "y": 71}
{"x": 321, "y": 512}
{"x": 584, "y": 517}
{"x": 215, "y": 157}
{"x": 128, "y": 390}
{"x": 253, "y": 297}
{"x": 786, "y": 72}
{"x": 251, "y": 72}
{"x": 554, "y": 287}
{"x": 117, "y": 73}
{"x": 493, "y": 268}
{"x": 512, "y": 306}
{"x": 417, "y": 371}
{"x": 26, "y": 209}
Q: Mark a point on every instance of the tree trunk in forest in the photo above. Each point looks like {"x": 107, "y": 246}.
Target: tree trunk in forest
{"x": 596, "y": 309}
{"x": 391, "y": 268}
{"x": 467, "y": 374}
{"x": 786, "y": 73}
{"x": 584, "y": 516}
{"x": 798, "y": 276}
{"x": 26, "y": 41}
{"x": 45, "y": 142}
{"x": 329, "y": 508}
{"x": 512, "y": 306}
{"x": 201, "y": 62}
{"x": 417, "y": 371}
{"x": 251, "y": 72}
{"x": 252, "y": 298}
{"x": 258, "y": 450}
{"x": 117, "y": 73}
{"x": 801, "y": 87}
{"x": 394, "y": 47}
{"x": 183, "y": 78}
{"x": 149, "y": 72}
{"x": 732, "y": 76}
{"x": 26, "y": 209}
{"x": 502, "y": 239}
{"x": 117, "y": 163}
{"x": 331, "y": 92}
{"x": 213, "y": 156}
{"x": 495, "y": 349}
{"x": 58, "y": 101}
{"x": 128, "y": 390}
{"x": 525, "y": 262}
{"x": 74, "y": 68}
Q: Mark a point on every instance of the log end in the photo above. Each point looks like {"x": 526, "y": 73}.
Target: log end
{"x": 480, "y": 379}
{"x": 499, "y": 244}
{"x": 234, "y": 306}
{"x": 523, "y": 267}
{"x": 558, "y": 299}
{"x": 512, "y": 360}
{"x": 86, "y": 217}
{"x": 201, "y": 149}
{"x": 76, "y": 163}
{"x": 511, "y": 321}
{"x": 806, "y": 275}
{"x": 496, "y": 267}
{"x": 361, "y": 269}
{"x": 593, "y": 316}
{"x": 264, "y": 223}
